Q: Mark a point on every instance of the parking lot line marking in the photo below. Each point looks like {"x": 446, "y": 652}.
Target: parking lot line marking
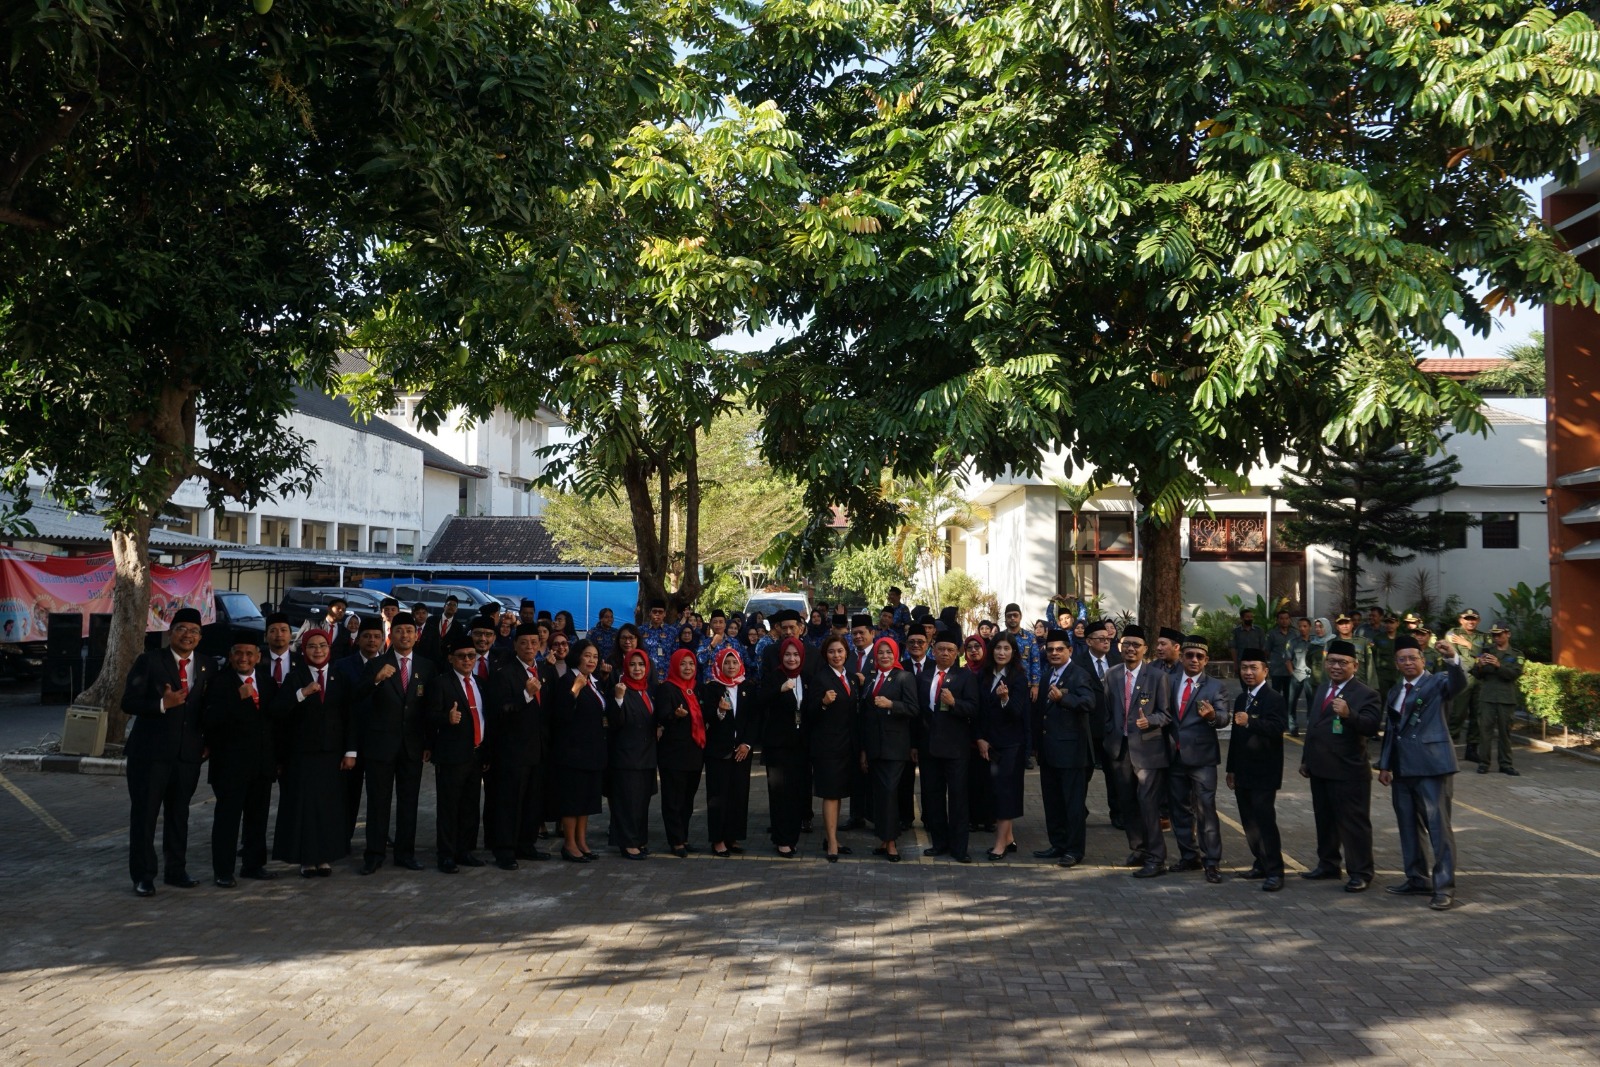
{"x": 32, "y": 805}
{"x": 1289, "y": 862}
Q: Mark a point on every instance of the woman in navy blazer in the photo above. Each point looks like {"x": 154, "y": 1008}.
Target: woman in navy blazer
{"x": 1003, "y": 736}
{"x": 580, "y": 752}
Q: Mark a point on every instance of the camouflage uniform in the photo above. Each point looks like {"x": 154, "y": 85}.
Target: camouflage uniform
{"x": 1498, "y": 700}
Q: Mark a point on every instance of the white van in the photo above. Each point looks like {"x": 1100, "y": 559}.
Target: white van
{"x": 769, "y": 603}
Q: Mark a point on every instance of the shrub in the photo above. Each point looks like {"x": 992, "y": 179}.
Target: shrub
{"x": 1526, "y": 611}
{"x": 1217, "y": 628}
{"x": 1562, "y": 694}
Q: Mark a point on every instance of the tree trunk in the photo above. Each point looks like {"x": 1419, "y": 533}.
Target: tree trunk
{"x": 1160, "y": 575}
{"x": 642, "y": 512}
{"x": 130, "y": 611}
{"x": 1352, "y": 579}
{"x": 689, "y": 587}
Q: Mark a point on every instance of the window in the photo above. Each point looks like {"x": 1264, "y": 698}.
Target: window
{"x": 1229, "y": 537}
{"x": 1500, "y": 530}
{"x": 1096, "y": 535}
{"x": 1453, "y": 529}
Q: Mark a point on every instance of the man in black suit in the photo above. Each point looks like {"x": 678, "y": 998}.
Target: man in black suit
{"x": 458, "y": 727}
{"x": 1255, "y": 766}
{"x": 1197, "y": 715}
{"x": 1094, "y": 663}
{"x": 433, "y": 642}
{"x": 279, "y": 658}
{"x": 1344, "y": 713}
{"x": 1067, "y": 699}
{"x": 388, "y": 724}
{"x": 1138, "y": 711}
{"x": 164, "y": 696}
{"x": 518, "y": 735}
{"x": 371, "y": 640}
{"x": 483, "y": 632}
{"x": 948, "y": 699}
{"x": 237, "y": 721}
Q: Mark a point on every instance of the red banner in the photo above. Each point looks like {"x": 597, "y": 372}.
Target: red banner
{"x": 32, "y": 586}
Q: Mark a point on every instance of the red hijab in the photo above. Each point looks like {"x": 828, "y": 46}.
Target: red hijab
{"x": 697, "y": 721}
{"x": 638, "y": 685}
{"x": 894, "y": 647}
{"x": 976, "y": 665}
{"x": 800, "y": 648}
{"x": 722, "y": 677}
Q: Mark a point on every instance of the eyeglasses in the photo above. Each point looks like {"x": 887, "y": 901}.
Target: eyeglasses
{"x": 1194, "y": 655}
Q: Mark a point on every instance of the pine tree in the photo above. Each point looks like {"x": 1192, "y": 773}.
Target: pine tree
{"x": 1360, "y": 499}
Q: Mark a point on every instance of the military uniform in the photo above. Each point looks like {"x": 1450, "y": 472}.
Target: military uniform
{"x": 1463, "y": 709}
{"x": 1498, "y": 701}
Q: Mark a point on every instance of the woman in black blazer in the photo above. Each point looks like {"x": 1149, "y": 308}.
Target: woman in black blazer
{"x": 889, "y": 705}
{"x": 830, "y": 716}
{"x": 1003, "y": 706}
{"x": 580, "y": 752}
{"x": 732, "y": 726}
{"x": 631, "y": 726}
{"x": 311, "y": 805}
{"x": 785, "y": 746}
{"x": 680, "y": 747}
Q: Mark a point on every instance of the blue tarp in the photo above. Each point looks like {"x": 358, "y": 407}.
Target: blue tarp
{"x": 583, "y": 598}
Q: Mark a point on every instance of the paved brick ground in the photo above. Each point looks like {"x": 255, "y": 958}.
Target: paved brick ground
{"x": 762, "y": 960}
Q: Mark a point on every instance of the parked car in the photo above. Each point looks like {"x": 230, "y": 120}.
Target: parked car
{"x": 471, "y": 599}
{"x": 512, "y": 604}
{"x": 311, "y": 602}
{"x": 767, "y": 603}
{"x": 238, "y": 618}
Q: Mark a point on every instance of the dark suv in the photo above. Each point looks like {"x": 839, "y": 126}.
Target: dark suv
{"x": 238, "y": 618}
{"x": 311, "y": 602}
{"x": 433, "y": 596}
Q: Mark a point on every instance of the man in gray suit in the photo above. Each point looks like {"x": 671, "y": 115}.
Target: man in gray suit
{"x": 1195, "y": 755}
{"x": 1418, "y": 763}
{"x": 1138, "y": 705}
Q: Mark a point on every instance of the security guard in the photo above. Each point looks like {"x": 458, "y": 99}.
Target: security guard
{"x": 1470, "y": 643}
{"x": 1344, "y": 629}
{"x": 1383, "y": 652}
{"x": 1496, "y": 670}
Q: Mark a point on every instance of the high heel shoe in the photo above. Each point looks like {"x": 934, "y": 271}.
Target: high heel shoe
{"x": 570, "y": 858}
{"x": 995, "y": 857}
{"x": 833, "y": 857}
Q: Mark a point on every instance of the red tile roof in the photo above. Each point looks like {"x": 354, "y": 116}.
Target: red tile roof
{"x": 1459, "y": 368}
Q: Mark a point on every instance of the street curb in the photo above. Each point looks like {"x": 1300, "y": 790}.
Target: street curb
{"x": 1545, "y": 746}
{"x": 63, "y": 764}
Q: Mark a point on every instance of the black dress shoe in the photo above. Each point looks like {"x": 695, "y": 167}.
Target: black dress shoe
{"x": 506, "y": 865}
{"x": 224, "y": 883}
{"x": 791, "y": 854}
{"x": 1135, "y": 859}
{"x": 1273, "y": 883}
{"x": 144, "y": 889}
{"x": 1512, "y": 771}
{"x": 1442, "y": 902}
{"x": 1151, "y": 870}
{"x": 1409, "y": 889}
{"x": 1252, "y": 874}
{"x": 370, "y": 867}
{"x": 410, "y": 863}
{"x": 724, "y": 854}
{"x": 690, "y": 848}
{"x": 737, "y": 850}
{"x": 1356, "y": 885}
{"x": 592, "y": 857}
{"x": 1118, "y": 822}
{"x": 573, "y": 857}
{"x": 260, "y": 874}
{"x": 1049, "y": 853}
{"x": 1012, "y": 847}
{"x": 846, "y": 850}
{"x": 1294, "y": 733}
{"x": 182, "y": 881}
{"x": 935, "y": 851}
{"x": 1318, "y": 874}
{"x": 632, "y": 855}
{"x": 324, "y": 872}
{"x": 831, "y": 857}
{"x": 995, "y": 857}
{"x": 469, "y": 860}
{"x": 1213, "y": 876}
{"x": 308, "y": 872}
{"x": 963, "y": 858}
{"x": 881, "y": 850}
{"x": 448, "y": 867}
{"x": 894, "y": 857}
{"x": 680, "y": 852}
{"x": 1188, "y": 865}
{"x": 1068, "y": 861}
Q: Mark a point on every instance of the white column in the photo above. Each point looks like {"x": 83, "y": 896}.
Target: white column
{"x": 252, "y": 527}
{"x": 206, "y": 523}
{"x": 297, "y": 527}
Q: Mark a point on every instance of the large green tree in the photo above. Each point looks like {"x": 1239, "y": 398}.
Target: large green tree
{"x": 1175, "y": 239}
{"x": 189, "y": 198}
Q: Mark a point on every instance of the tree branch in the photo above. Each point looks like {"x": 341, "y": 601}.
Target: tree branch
{"x": 27, "y": 222}
{"x": 23, "y": 159}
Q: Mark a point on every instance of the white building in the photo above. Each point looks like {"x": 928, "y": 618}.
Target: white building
{"x": 1024, "y": 551}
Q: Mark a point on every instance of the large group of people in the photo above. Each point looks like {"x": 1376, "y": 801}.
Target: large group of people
{"x": 530, "y": 729}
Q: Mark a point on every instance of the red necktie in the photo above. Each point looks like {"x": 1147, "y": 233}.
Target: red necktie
{"x": 846, "y": 683}
{"x": 1333, "y": 691}
{"x": 255, "y": 697}
{"x": 405, "y": 671}
{"x": 183, "y": 675}
{"x": 1405, "y": 698}
{"x": 532, "y": 674}
{"x": 472, "y": 706}
{"x": 879, "y": 685}
{"x": 277, "y": 670}
{"x": 938, "y": 687}
{"x": 322, "y": 687}
{"x": 1188, "y": 688}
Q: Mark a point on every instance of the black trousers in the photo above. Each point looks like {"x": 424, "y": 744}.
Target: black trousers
{"x": 515, "y": 809}
{"x": 907, "y": 796}
{"x": 677, "y": 803}
{"x": 728, "y": 800}
{"x": 630, "y": 807}
{"x": 1066, "y": 807}
{"x": 241, "y": 799}
{"x": 459, "y": 786}
{"x": 354, "y": 782}
{"x": 980, "y": 793}
{"x": 398, "y": 783}
{"x": 1194, "y": 812}
{"x": 159, "y": 789}
{"x": 1424, "y": 804}
{"x": 860, "y": 791}
{"x": 1100, "y": 761}
{"x": 1342, "y": 810}
{"x": 787, "y": 797}
{"x": 945, "y": 810}
{"x": 886, "y": 775}
{"x": 1258, "y": 814}
{"x": 1121, "y": 772}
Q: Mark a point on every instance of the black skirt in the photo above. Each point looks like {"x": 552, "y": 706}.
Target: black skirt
{"x": 577, "y": 791}
{"x": 1006, "y": 766}
{"x": 311, "y": 811}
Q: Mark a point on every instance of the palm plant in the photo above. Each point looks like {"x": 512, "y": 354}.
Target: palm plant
{"x": 1522, "y": 373}
{"x": 928, "y": 504}
{"x": 1076, "y": 495}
